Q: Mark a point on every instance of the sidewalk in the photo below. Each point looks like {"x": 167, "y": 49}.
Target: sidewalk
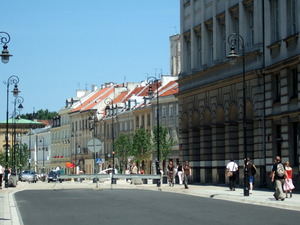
{"x": 9, "y": 212}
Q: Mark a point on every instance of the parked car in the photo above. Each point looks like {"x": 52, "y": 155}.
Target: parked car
{"x": 28, "y": 175}
{"x": 53, "y": 176}
{"x": 108, "y": 171}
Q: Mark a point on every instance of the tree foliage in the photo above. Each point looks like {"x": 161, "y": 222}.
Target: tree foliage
{"x": 141, "y": 145}
{"x": 166, "y": 142}
{"x": 21, "y": 157}
{"x": 122, "y": 147}
{"x": 40, "y": 114}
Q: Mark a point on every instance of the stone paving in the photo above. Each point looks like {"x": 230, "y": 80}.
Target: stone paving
{"x": 9, "y": 212}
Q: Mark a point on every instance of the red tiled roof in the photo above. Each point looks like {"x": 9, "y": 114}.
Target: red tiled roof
{"x": 95, "y": 99}
{"x": 170, "y": 89}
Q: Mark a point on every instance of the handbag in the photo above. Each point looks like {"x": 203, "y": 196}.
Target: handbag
{"x": 229, "y": 173}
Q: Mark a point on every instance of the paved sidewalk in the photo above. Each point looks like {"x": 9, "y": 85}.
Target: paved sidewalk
{"x": 9, "y": 212}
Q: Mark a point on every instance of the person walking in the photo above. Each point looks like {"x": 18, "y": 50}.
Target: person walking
{"x": 170, "y": 172}
{"x": 186, "y": 173}
{"x": 232, "y": 168}
{"x": 288, "y": 185}
{"x": 251, "y": 172}
{"x": 179, "y": 173}
{"x": 278, "y": 175}
{"x": 134, "y": 170}
{"x": 1, "y": 176}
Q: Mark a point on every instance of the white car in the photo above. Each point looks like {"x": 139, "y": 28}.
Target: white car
{"x": 108, "y": 171}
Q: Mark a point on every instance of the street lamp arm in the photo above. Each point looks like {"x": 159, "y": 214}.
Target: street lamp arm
{"x": 4, "y": 39}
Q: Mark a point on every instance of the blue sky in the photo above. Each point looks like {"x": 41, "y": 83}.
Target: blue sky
{"x": 59, "y": 46}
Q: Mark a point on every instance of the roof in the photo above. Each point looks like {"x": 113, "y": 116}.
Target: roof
{"x": 22, "y": 123}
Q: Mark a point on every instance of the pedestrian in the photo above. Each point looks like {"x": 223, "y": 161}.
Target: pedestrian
{"x": 232, "y": 169}
{"x": 251, "y": 172}
{"x": 1, "y": 176}
{"x": 288, "y": 185}
{"x": 179, "y": 173}
{"x": 186, "y": 174}
{"x": 134, "y": 169}
{"x": 278, "y": 175}
{"x": 170, "y": 173}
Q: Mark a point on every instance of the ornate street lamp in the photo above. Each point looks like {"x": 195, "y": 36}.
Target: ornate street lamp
{"x": 151, "y": 81}
{"x": 43, "y": 169}
{"x": 108, "y": 102}
{"x": 5, "y": 53}
{"x": 92, "y": 121}
{"x": 12, "y": 80}
{"x": 15, "y": 117}
{"x": 237, "y": 40}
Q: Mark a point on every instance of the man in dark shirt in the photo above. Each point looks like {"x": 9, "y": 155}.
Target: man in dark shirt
{"x": 278, "y": 179}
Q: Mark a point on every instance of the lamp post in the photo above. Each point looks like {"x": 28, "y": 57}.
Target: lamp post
{"x": 5, "y": 53}
{"x": 108, "y": 102}
{"x": 92, "y": 120}
{"x": 43, "y": 148}
{"x": 151, "y": 81}
{"x": 12, "y": 80}
{"x": 237, "y": 40}
{"x": 18, "y": 100}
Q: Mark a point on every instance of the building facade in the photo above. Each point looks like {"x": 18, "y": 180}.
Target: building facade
{"x": 211, "y": 98}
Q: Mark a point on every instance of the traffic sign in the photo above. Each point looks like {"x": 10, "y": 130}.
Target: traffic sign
{"x": 98, "y": 161}
{"x": 94, "y": 145}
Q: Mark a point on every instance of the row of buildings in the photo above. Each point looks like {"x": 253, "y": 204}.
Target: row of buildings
{"x": 216, "y": 111}
{"x": 102, "y": 113}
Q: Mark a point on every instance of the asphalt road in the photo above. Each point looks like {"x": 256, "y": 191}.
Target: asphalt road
{"x": 142, "y": 207}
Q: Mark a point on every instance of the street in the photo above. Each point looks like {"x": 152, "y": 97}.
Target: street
{"x": 124, "y": 206}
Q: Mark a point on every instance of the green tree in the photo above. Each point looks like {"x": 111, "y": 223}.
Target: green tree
{"x": 122, "y": 149}
{"x": 22, "y": 153}
{"x": 141, "y": 145}
{"x": 166, "y": 142}
{"x": 40, "y": 114}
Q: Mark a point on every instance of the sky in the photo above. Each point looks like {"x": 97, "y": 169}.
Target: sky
{"x": 59, "y": 46}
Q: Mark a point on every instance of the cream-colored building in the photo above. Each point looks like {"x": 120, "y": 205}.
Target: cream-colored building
{"x": 211, "y": 91}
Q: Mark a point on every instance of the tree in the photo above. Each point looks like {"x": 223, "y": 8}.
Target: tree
{"x": 122, "y": 147}
{"x": 22, "y": 153}
{"x": 166, "y": 142}
{"x": 40, "y": 114}
{"x": 141, "y": 145}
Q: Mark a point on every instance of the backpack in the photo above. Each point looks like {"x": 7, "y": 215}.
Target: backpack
{"x": 253, "y": 170}
{"x": 280, "y": 171}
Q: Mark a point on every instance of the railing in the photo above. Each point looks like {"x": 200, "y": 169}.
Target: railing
{"x": 112, "y": 176}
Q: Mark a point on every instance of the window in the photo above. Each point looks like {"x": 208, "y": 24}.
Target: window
{"x": 295, "y": 145}
{"x": 148, "y": 119}
{"x": 274, "y": 20}
{"x": 198, "y": 61}
{"x": 276, "y": 88}
{"x": 210, "y": 41}
{"x": 251, "y": 29}
{"x": 292, "y": 17}
{"x": 143, "y": 121}
{"x": 234, "y": 11}
{"x": 221, "y": 36}
{"x": 293, "y": 83}
{"x": 164, "y": 112}
{"x": 171, "y": 110}
{"x": 187, "y": 47}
